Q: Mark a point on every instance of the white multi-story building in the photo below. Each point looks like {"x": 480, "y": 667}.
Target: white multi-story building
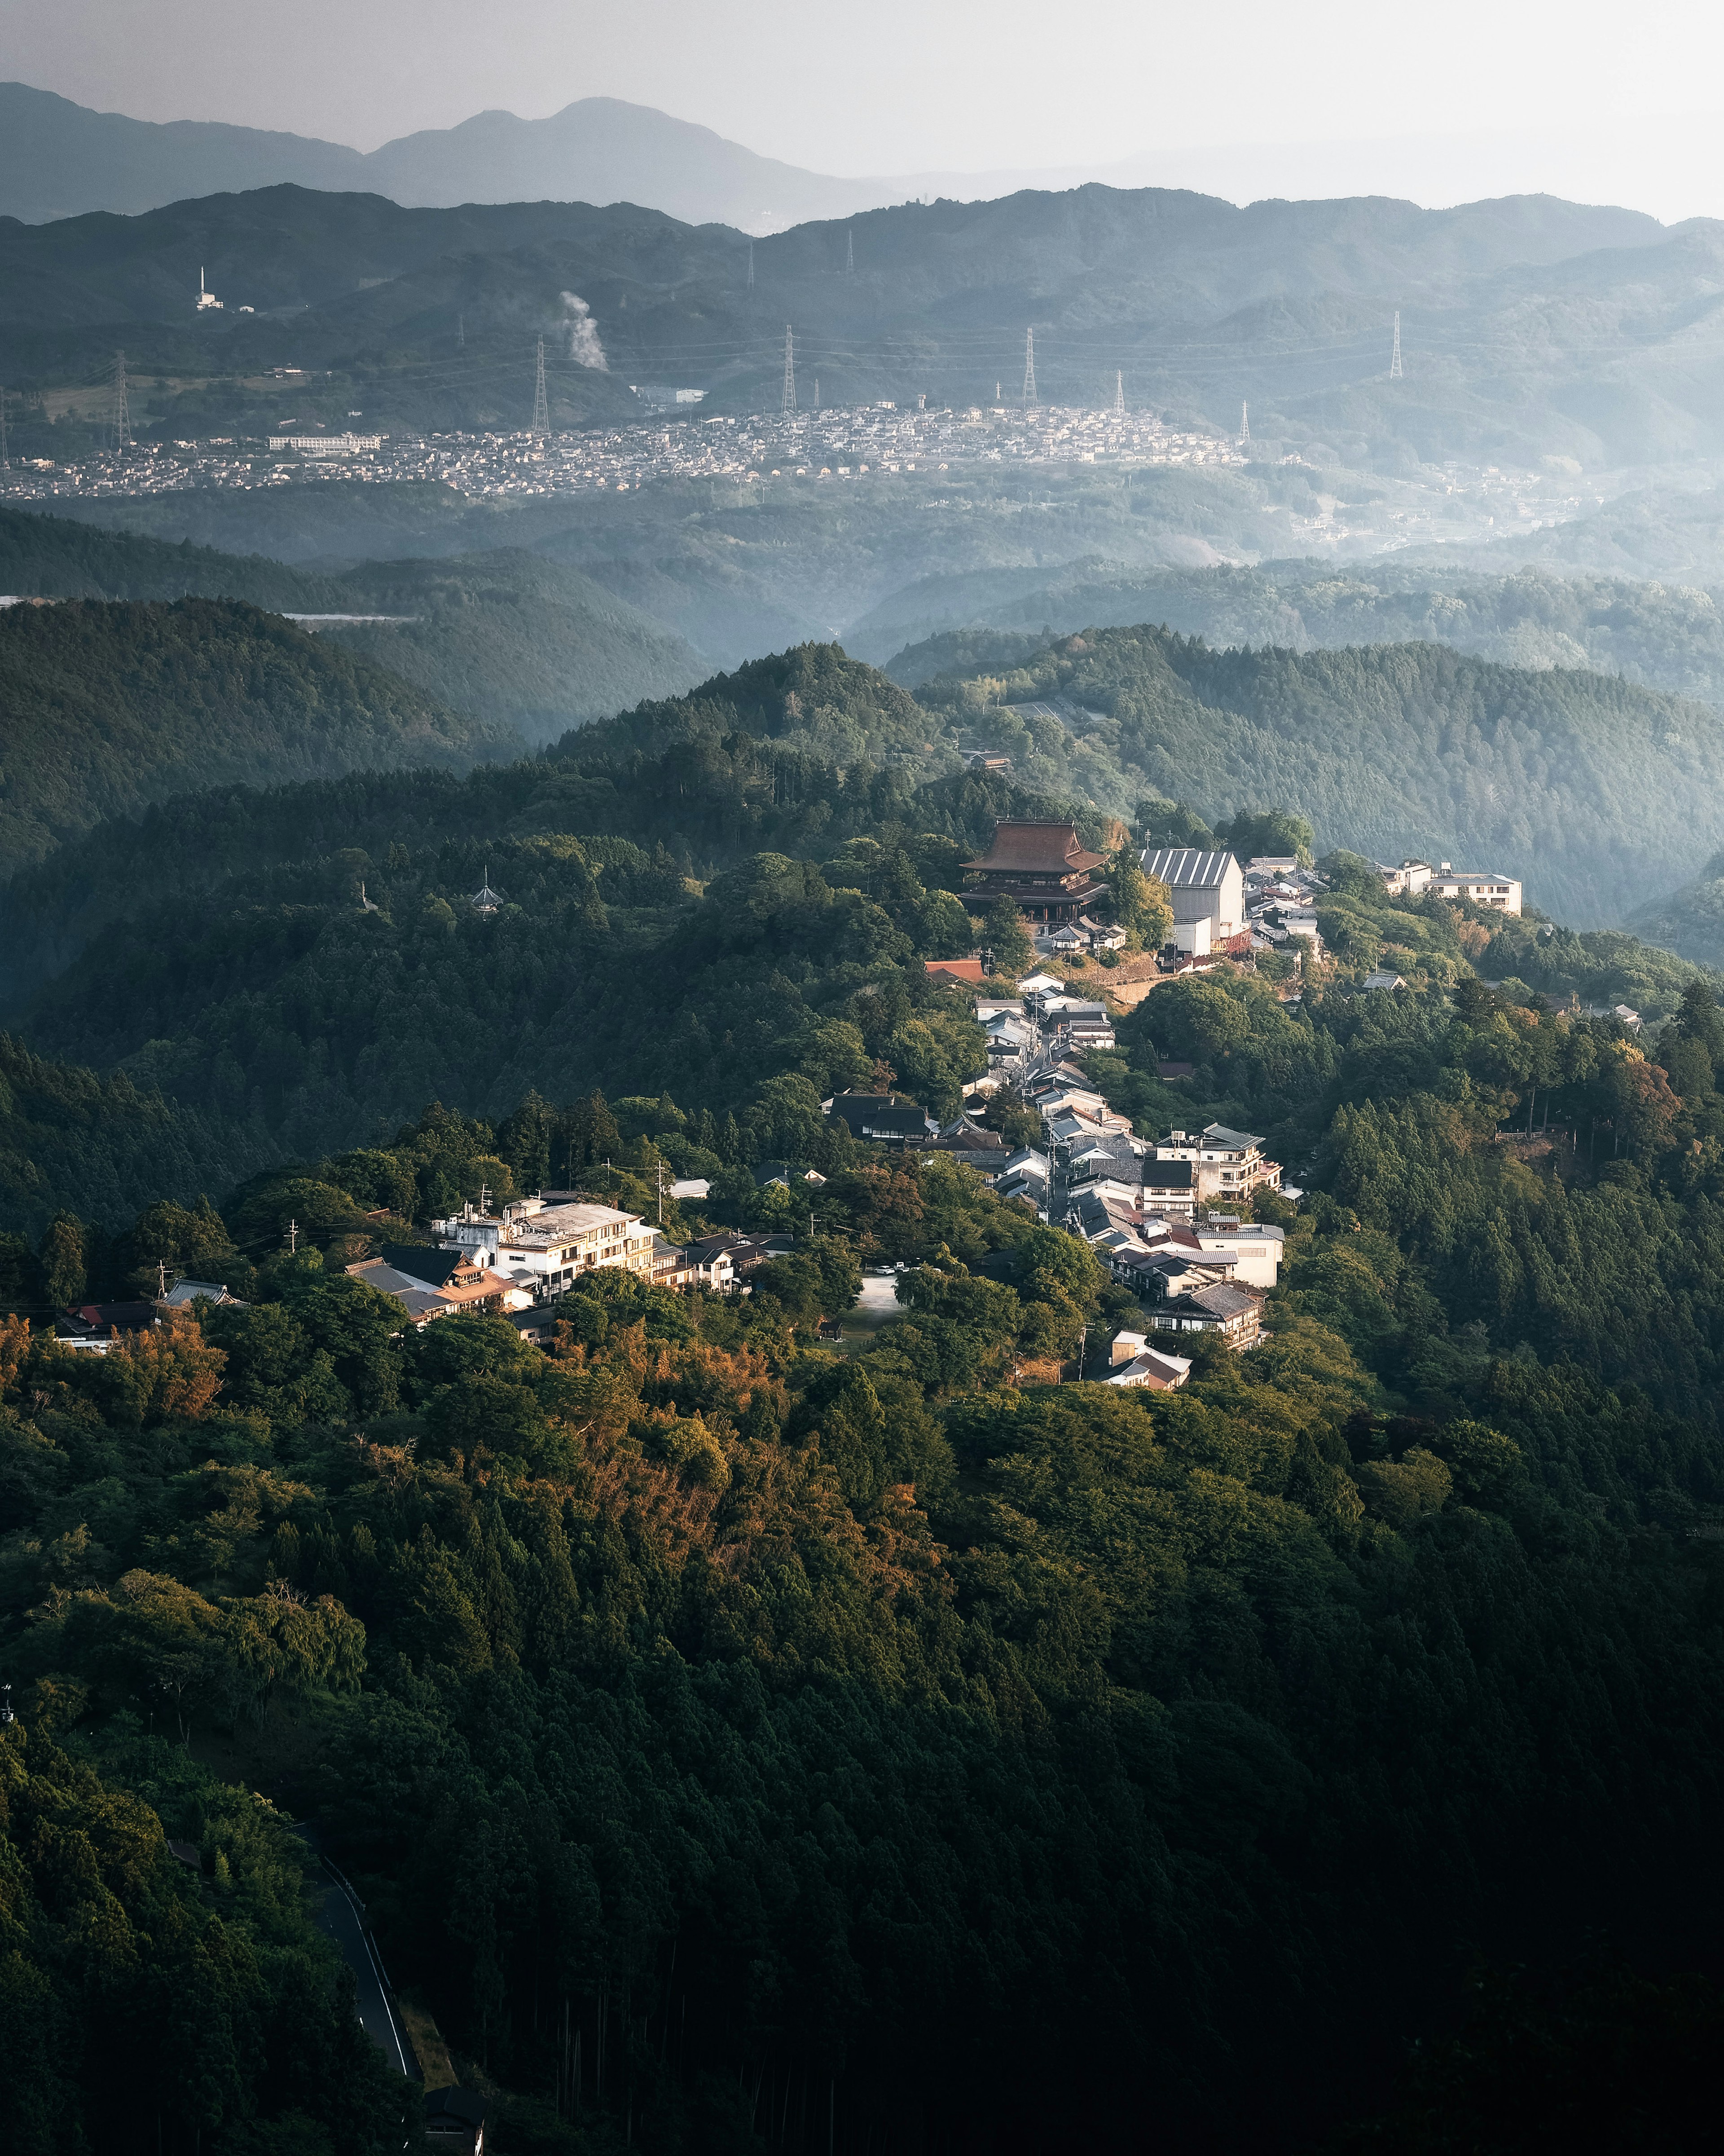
{"x": 542, "y": 1245}
{"x": 1223, "y": 1163}
{"x": 1489, "y": 888}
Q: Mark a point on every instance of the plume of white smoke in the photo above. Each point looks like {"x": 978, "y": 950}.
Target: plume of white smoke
{"x": 584, "y": 347}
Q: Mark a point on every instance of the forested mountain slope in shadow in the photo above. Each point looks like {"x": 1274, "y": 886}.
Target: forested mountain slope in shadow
{"x": 111, "y": 707}
{"x": 1660, "y": 635}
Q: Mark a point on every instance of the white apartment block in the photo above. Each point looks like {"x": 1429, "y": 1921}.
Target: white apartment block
{"x": 542, "y": 1245}
{"x": 1493, "y": 889}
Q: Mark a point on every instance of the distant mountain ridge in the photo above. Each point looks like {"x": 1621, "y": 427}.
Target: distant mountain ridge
{"x": 59, "y": 160}
{"x": 1188, "y": 302}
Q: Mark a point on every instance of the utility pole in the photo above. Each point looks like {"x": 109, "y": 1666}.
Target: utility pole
{"x": 122, "y": 416}
{"x": 1245, "y": 424}
{"x": 660, "y": 1167}
{"x": 293, "y": 1239}
{"x": 1394, "y": 364}
{"x": 161, "y": 1277}
{"x": 789, "y": 370}
{"x": 541, "y": 410}
{"x": 1030, "y": 366}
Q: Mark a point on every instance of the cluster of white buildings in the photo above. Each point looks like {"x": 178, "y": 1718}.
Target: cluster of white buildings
{"x": 838, "y": 447}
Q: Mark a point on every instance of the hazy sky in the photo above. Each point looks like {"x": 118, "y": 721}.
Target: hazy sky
{"x": 902, "y": 85}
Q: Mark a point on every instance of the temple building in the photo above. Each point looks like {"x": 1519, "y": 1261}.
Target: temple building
{"x": 1042, "y": 868}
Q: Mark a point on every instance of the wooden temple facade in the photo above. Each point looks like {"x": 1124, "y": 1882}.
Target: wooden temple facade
{"x": 1044, "y": 869}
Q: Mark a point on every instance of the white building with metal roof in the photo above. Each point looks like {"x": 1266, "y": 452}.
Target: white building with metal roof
{"x": 1209, "y": 895}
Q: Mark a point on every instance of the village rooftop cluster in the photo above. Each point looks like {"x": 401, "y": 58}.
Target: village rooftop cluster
{"x": 1169, "y": 1219}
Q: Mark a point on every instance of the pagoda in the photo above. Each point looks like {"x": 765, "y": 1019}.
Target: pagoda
{"x": 1044, "y": 869}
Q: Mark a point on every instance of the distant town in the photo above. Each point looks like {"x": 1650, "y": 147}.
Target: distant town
{"x": 840, "y": 445}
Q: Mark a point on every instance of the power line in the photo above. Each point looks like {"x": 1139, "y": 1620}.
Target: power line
{"x": 1394, "y": 364}
{"x": 541, "y": 410}
{"x": 122, "y": 415}
{"x": 789, "y": 371}
{"x": 1030, "y": 366}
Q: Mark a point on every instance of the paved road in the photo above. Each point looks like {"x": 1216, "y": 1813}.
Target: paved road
{"x": 339, "y": 1914}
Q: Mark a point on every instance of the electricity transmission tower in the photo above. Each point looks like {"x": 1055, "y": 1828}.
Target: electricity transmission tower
{"x": 849, "y": 254}
{"x": 751, "y": 265}
{"x": 789, "y": 371}
{"x": 1119, "y": 396}
{"x": 1394, "y": 364}
{"x": 1245, "y": 425}
{"x": 541, "y": 410}
{"x": 5, "y": 454}
{"x": 460, "y": 332}
{"x": 122, "y": 415}
{"x": 816, "y": 393}
{"x": 1030, "y": 366}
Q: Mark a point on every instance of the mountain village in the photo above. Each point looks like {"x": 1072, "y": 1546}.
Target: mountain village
{"x": 1170, "y": 1220}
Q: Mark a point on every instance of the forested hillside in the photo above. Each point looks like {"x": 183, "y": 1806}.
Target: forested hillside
{"x": 65, "y": 558}
{"x": 1566, "y": 780}
{"x": 110, "y": 707}
{"x": 735, "y": 1743}
{"x": 514, "y": 639}
{"x": 505, "y": 637}
{"x": 1660, "y": 636}
{"x": 279, "y": 998}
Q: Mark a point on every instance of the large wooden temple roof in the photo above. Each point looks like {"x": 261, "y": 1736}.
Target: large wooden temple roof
{"x": 1021, "y": 847}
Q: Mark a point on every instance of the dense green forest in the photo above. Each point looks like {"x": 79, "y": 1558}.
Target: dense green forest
{"x": 770, "y": 835}
{"x": 632, "y": 852}
{"x": 1563, "y": 779}
{"x": 111, "y": 706}
{"x": 1660, "y": 636}
{"x": 740, "y": 1746}
{"x": 512, "y": 638}
{"x": 506, "y": 637}
{"x": 65, "y": 557}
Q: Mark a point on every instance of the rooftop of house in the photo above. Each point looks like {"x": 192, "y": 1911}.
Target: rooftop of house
{"x": 1020, "y": 844}
{"x": 435, "y": 1268}
{"x": 1221, "y": 1301}
{"x": 417, "y": 1301}
{"x": 1187, "y": 868}
{"x": 555, "y": 1223}
{"x": 183, "y": 1293}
